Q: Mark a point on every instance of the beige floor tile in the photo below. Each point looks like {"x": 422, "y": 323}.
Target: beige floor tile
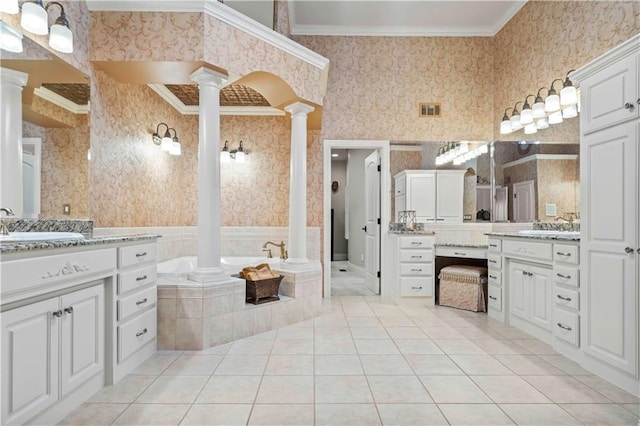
{"x": 474, "y": 332}
{"x": 230, "y": 390}
{"x": 338, "y": 365}
{"x": 242, "y": 365}
{"x": 566, "y": 365}
{"x": 152, "y": 414}
{"x": 398, "y": 390}
{"x": 251, "y": 347}
{"x": 397, "y": 321}
{"x": 440, "y": 365}
{"x": 500, "y": 346}
{"x": 535, "y": 346}
{"x": 418, "y": 347}
{"x": 538, "y": 414}
{"x": 282, "y": 414}
{"x": 363, "y": 322}
{"x": 406, "y": 333}
{"x": 376, "y": 347}
{"x": 333, "y": 333}
{"x": 216, "y": 350}
{"x": 529, "y": 365}
{"x": 485, "y": 365}
{"x": 565, "y": 389}
{"x": 342, "y": 390}
{"x": 387, "y": 311}
{"x": 355, "y": 311}
{"x": 155, "y": 364}
{"x": 347, "y": 414}
{"x": 293, "y": 347}
{"x": 601, "y": 414}
{"x": 614, "y": 393}
{"x": 459, "y": 347}
{"x": 334, "y": 347}
{"x": 444, "y": 332}
{"x": 454, "y": 389}
{"x": 126, "y": 390}
{"x": 511, "y": 332}
{"x": 633, "y": 408}
{"x": 217, "y": 414}
{"x": 94, "y": 414}
{"x": 377, "y": 332}
{"x": 289, "y": 365}
{"x": 509, "y": 390}
{"x": 193, "y": 365}
{"x": 411, "y": 414}
{"x": 173, "y": 390}
{"x": 333, "y": 320}
{"x": 286, "y": 390}
{"x": 295, "y": 332}
{"x": 474, "y": 414}
{"x": 385, "y": 365}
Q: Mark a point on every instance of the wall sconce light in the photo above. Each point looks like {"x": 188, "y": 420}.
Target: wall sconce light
{"x": 10, "y": 39}
{"x": 505, "y": 124}
{"x": 568, "y": 94}
{"x": 515, "y": 118}
{"x": 36, "y": 20}
{"x": 166, "y": 142}
{"x": 526, "y": 116}
{"x": 552, "y": 103}
{"x": 538, "y": 106}
{"x": 239, "y": 154}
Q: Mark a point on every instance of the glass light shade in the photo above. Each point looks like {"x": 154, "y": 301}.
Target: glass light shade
{"x": 505, "y": 127}
{"x": 526, "y": 116}
{"x": 34, "y": 18}
{"x": 225, "y": 157}
{"x": 570, "y": 111}
{"x": 543, "y": 123}
{"x": 9, "y": 6}
{"x": 568, "y": 96}
{"x": 240, "y": 157}
{"x": 530, "y": 129}
{"x": 515, "y": 122}
{"x": 61, "y": 39}
{"x": 555, "y": 118}
{"x": 175, "y": 149}
{"x": 458, "y": 160}
{"x": 538, "y": 110}
{"x": 166, "y": 143}
{"x": 10, "y": 39}
{"x": 552, "y": 103}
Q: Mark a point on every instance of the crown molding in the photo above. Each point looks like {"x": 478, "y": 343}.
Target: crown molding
{"x": 390, "y": 31}
{"x": 145, "y": 6}
{"x": 183, "y": 109}
{"x": 60, "y": 101}
{"x": 509, "y": 15}
{"x": 624, "y": 49}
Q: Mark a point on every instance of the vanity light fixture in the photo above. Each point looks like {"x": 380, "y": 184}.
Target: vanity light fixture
{"x": 35, "y": 19}
{"x": 552, "y": 103}
{"x": 505, "y": 124}
{"x": 568, "y": 94}
{"x": 538, "y": 106}
{"x": 542, "y": 123}
{"x": 555, "y": 118}
{"x": 10, "y": 39}
{"x": 165, "y": 141}
{"x": 175, "y": 148}
{"x": 530, "y": 129}
{"x": 239, "y": 154}
{"x": 515, "y": 118}
{"x": 570, "y": 111}
{"x": 9, "y": 6}
{"x": 526, "y": 116}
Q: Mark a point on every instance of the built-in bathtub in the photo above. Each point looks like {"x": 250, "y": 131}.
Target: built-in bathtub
{"x": 180, "y": 267}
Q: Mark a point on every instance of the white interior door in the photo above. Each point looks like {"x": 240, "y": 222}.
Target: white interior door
{"x": 501, "y": 213}
{"x": 31, "y": 175}
{"x": 523, "y": 202}
{"x": 372, "y": 228}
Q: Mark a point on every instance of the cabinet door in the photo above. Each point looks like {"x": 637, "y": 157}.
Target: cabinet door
{"x": 605, "y": 94}
{"x": 29, "y": 360}
{"x": 82, "y": 340}
{"x": 540, "y": 285}
{"x": 483, "y": 198}
{"x": 609, "y": 230}
{"x": 401, "y": 204}
{"x": 450, "y": 191}
{"x": 421, "y": 196}
{"x": 517, "y": 280}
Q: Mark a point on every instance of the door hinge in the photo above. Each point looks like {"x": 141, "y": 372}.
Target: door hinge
{"x": 379, "y": 169}
{"x": 378, "y": 274}
{"x": 515, "y": 195}
{"x": 378, "y": 221}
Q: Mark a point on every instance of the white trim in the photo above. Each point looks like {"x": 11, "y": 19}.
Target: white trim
{"x": 145, "y": 5}
{"x": 400, "y": 147}
{"x": 540, "y": 157}
{"x": 183, "y": 109}
{"x": 603, "y": 61}
{"x": 519, "y": 4}
{"x": 37, "y": 166}
{"x": 60, "y": 101}
{"x": 385, "y": 203}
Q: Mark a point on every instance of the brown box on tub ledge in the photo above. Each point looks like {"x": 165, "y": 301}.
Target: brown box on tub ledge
{"x": 262, "y": 291}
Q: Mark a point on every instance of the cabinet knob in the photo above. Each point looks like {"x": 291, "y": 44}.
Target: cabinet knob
{"x": 628, "y": 105}
{"x": 68, "y": 310}
{"x": 628, "y": 250}
{"x": 57, "y": 313}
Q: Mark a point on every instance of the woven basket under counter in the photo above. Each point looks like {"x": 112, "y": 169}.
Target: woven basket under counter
{"x": 263, "y": 291}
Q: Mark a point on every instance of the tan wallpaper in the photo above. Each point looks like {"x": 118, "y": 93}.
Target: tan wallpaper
{"x": 548, "y": 38}
{"x": 55, "y": 112}
{"x": 65, "y": 169}
{"x": 558, "y": 184}
{"x": 282, "y": 18}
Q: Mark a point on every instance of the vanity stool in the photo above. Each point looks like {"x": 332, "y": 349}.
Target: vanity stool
{"x": 464, "y": 287}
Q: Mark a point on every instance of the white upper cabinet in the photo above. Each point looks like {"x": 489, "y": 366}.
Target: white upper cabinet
{"x": 450, "y": 194}
{"x": 434, "y": 195}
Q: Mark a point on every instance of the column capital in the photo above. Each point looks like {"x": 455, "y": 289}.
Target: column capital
{"x": 13, "y": 77}
{"x": 208, "y": 76}
{"x": 299, "y": 108}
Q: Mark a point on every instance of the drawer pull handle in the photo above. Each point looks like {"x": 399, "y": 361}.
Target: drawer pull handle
{"x": 416, "y": 270}
{"x": 529, "y": 274}
{"x": 140, "y": 302}
{"x": 140, "y": 333}
{"x": 440, "y": 220}
{"x": 564, "y": 276}
{"x": 459, "y": 254}
{"x": 416, "y": 257}
{"x": 493, "y": 245}
{"x": 68, "y": 310}
{"x": 491, "y": 276}
{"x": 144, "y": 253}
{"x": 57, "y": 313}
{"x": 563, "y": 253}
{"x": 493, "y": 261}
{"x": 493, "y": 298}
{"x": 628, "y": 105}
{"x": 416, "y": 288}
{"x": 567, "y": 299}
{"x": 416, "y": 243}
{"x": 142, "y": 278}
{"x": 564, "y": 327}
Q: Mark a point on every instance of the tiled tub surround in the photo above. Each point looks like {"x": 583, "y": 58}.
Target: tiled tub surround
{"x": 196, "y": 317}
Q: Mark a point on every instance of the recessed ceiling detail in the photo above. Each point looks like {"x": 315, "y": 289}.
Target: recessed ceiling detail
{"x": 233, "y": 95}
{"x": 74, "y": 92}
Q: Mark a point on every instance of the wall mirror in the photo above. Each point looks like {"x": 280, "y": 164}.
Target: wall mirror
{"x": 55, "y": 106}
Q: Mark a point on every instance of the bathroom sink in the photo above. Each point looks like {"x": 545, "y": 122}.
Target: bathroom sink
{"x": 543, "y": 232}
{"x": 16, "y": 237}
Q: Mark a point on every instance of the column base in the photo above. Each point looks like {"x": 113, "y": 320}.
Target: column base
{"x": 297, "y": 260}
{"x": 208, "y": 275}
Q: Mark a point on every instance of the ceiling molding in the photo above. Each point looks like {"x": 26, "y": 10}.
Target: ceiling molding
{"x": 60, "y": 101}
{"x": 183, "y": 109}
{"x": 145, "y": 6}
{"x": 519, "y": 4}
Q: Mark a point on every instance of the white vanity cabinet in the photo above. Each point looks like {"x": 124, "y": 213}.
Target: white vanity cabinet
{"x": 609, "y": 207}
{"x": 411, "y": 265}
{"x": 566, "y": 297}
{"x": 435, "y": 195}
{"x": 450, "y": 196}
{"x": 530, "y": 286}
{"x": 494, "y": 288}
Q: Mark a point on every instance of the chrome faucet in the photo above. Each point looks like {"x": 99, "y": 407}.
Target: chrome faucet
{"x": 283, "y": 252}
{"x": 3, "y": 226}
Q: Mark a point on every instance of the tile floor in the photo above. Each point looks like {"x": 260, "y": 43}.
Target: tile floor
{"x": 348, "y": 281}
{"x": 367, "y": 361}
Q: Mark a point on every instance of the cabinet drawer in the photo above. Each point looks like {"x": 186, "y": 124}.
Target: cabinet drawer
{"x": 567, "y": 298}
{"x": 495, "y": 278}
{"x": 566, "y": 326}
{"x": 416, "y": 256}
{"x": 528, "y": 249}
{"x": 494, "y": 261}
{"x": 566, "y": 276}
{"x": 566, "y": 253}
{"x": 416, "y": 286}
{"x": 137, "y": 302}
{"x": 462, "y": 252}
{"x": 420, "y": 269}
{"x": 137, "y": 278}
{"x": 136, "y": 255}
{"x": 416, "y": 242}
{"x": 495, "y": 245}
{"x": 495, "y": 298}
{"x": 136, "y": 333}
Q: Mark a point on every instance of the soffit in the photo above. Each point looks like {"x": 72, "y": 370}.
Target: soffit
{"x": 232, "y": 95}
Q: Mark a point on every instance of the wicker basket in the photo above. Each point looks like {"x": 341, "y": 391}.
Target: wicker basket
{"x": 263, "y": 291}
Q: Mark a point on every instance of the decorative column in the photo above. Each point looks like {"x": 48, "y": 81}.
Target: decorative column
{"x": 209, "y": 232}
{"x": 11, "y": 84}
{"x": 298, "y": 183}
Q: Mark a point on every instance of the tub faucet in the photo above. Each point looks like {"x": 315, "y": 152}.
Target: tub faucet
{"x": 3, "y": 226}
{"x": 283, "y": 252}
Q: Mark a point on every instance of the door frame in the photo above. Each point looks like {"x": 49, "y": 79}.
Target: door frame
{"x": 383, "y": 147}
{"x": 36, "y": 144}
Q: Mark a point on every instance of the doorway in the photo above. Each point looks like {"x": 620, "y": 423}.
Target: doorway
{"x": 31, "y": 176}
{"x": 354, "y": 239}
{"x": 523, "y": 202}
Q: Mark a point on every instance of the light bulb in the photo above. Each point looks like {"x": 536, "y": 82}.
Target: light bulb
{"x": 555, "y": 118}
{"x": 543, "y": 123}
{"x": 530, "y": 129}
{"x": 570, "y": 111}
{"x": 552, "y": 103}
{"x": 34, "y": 18}
{"x": 9, "y": 6}
{"x": 538, "y": 110}
{"x": 526, "y": 116}
{"x": 175, "y": 149}
{"x": 225, "y": 157}
{"x": 505, "y": 127}
{"x": 515, "y": 122}
{"x": 61, "y": 39}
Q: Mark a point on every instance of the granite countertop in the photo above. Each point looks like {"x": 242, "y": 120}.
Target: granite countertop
{"x": 13, "y": 247}
{"x": 554, "y": 237}
{"x": 463, "y": 245}
{"x": 412, "y": 232}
